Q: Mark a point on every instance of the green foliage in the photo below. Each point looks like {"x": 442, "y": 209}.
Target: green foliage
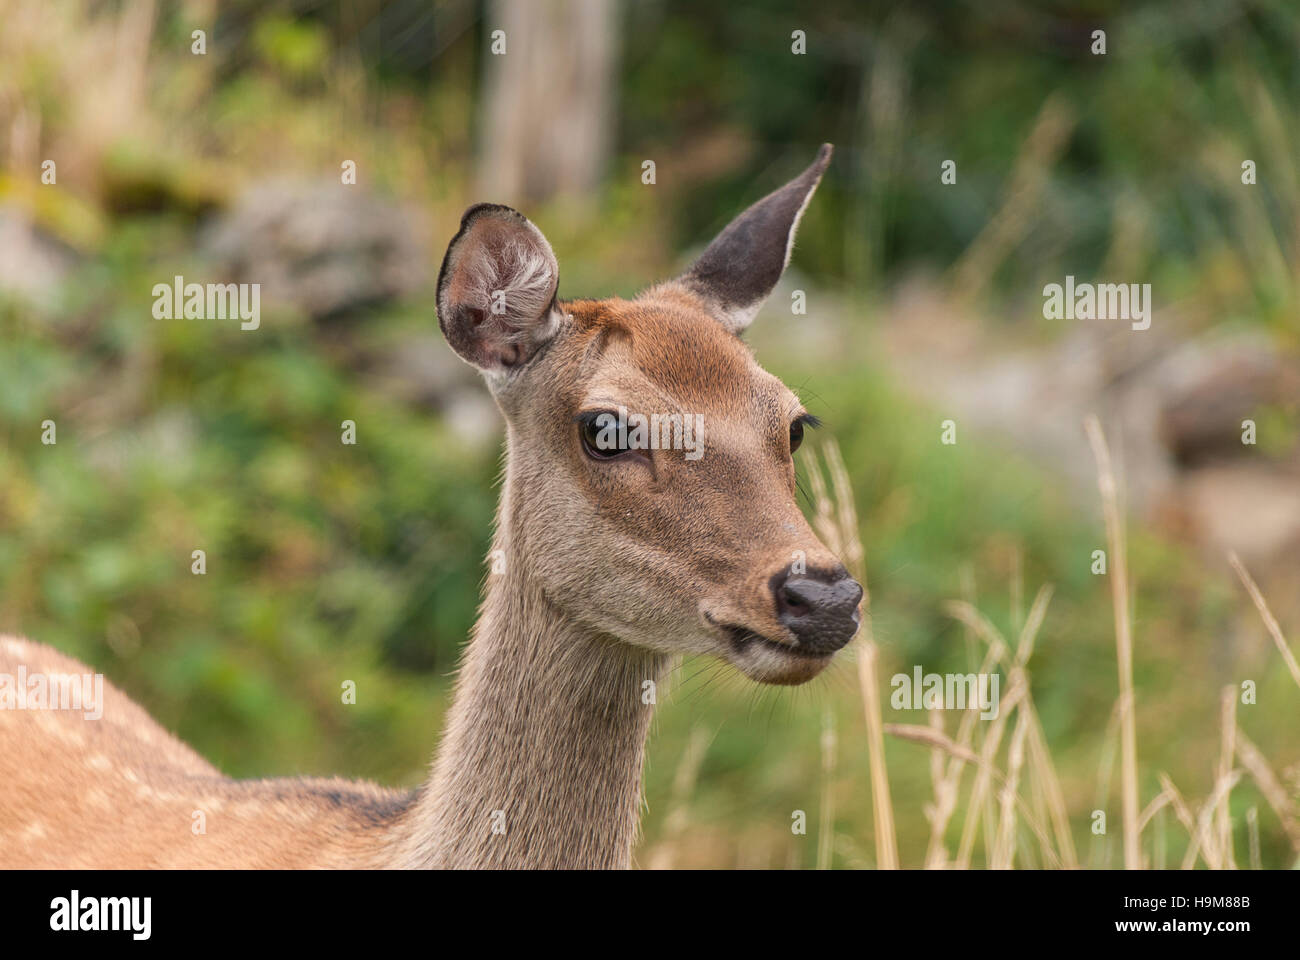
{"x": 298, "y": 48}
{"x": 328, "y": 563}
{"x": 324, "y": 561}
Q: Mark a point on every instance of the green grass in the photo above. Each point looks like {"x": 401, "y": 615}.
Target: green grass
{"x": 328, "y": 563}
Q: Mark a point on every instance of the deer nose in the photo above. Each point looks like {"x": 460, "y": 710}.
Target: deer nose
{"x": 821, "y": 609}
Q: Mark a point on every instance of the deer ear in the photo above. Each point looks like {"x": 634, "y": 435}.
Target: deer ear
{"x": 738, "y": 270}
{"x": 496, "y": 289}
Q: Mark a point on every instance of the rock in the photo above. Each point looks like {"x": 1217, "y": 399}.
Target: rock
{"x": 1172, "y": 407}
{"x": 420, "y": 370}
{"x": 1213, "y": 389}
{"x": 33, "y": 264}
{"x": 1249, "y": 508}
{"x": 474, "y": 418}
{"x": 322, "y": 247}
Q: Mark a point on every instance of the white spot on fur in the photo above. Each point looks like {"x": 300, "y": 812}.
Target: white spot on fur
{"x": 57, "y": 727}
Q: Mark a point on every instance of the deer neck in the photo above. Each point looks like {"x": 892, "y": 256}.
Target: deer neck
{"x": 541, "y": 756}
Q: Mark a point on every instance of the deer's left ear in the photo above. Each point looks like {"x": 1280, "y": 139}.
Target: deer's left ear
{"x": 738, "y": 270}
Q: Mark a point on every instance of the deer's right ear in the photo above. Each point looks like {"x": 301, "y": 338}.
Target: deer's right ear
{"x": 738, "y": 270}
{"x": 496, "y": 289}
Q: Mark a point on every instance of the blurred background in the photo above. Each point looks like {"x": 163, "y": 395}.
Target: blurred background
{"x": 924, "y": 301}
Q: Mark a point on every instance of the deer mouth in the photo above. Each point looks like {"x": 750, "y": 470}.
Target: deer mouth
{"x": 766, "y": 660}
{"x": 743, "y": 639}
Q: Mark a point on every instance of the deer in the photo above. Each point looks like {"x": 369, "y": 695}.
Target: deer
{"x": 616, "y": 560}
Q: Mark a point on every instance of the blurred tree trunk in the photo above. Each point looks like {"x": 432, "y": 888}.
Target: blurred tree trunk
{"x": 548, "y": 99}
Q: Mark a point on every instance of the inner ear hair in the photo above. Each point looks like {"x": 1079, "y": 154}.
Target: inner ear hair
{"x": 497, "y": 289}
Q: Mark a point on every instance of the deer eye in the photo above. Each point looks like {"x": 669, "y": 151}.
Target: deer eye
{"x": 600, "y": 435}
{"x": 797, "y": 427}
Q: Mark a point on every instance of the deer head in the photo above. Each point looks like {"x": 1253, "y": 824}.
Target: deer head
{"x": 650, "y": 480}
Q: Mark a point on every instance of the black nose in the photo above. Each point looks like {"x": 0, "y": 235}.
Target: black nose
{"x": 820, "y": 608}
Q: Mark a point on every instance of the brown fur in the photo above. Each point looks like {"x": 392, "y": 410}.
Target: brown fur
{"x": 611, "y": 570}
{"x": 548, "y": 722}
{"x": 121, "y": 792}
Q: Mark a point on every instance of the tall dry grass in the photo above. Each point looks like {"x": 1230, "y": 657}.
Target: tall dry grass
{"x": 1014, "y": 789}
{"x": 836, "y": 521}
